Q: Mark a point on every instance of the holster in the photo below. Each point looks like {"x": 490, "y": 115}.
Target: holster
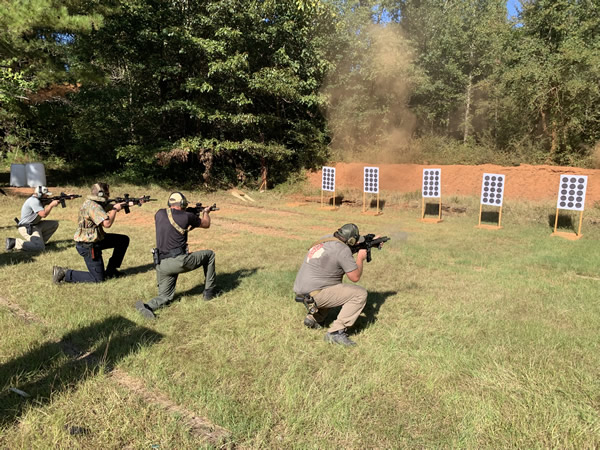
{"x": 308, "y": 301}
{"x": 156, "y": 256}
{"x": 28, "y": 227}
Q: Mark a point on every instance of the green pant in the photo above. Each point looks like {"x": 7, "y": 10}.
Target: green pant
{"x": 169, "y": 269}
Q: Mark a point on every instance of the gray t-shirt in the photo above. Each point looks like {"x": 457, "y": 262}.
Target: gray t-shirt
{"x": 30, "y": 210}
{"x": 324, "y": 266}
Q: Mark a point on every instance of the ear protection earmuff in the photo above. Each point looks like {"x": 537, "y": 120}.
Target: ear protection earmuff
{"x": 40, "y": 191}
{"x": 177, "y": 199}
{"x": 348, "y": 234}
{"x": 100, "y": 190}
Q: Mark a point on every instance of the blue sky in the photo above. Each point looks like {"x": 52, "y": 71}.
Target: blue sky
{"x": 512, "y": 7}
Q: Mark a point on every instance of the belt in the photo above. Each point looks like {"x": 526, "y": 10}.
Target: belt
{"x": 172, "y": 253}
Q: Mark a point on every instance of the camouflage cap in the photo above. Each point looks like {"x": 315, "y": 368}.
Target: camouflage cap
{"x": 100, "y": 192}
{"x": 349, "y": 234}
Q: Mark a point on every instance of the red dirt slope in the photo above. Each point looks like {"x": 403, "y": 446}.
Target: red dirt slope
{"x": 523, "y": 182}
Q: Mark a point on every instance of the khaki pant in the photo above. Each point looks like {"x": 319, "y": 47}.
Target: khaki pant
{"x": 351, "y": 297}
{"x": 36, "y": 241}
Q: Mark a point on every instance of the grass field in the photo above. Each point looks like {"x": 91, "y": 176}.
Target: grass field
{"x": 470, "y": 338}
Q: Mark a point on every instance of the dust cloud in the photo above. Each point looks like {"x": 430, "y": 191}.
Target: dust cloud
{"x": 368, "y": 112}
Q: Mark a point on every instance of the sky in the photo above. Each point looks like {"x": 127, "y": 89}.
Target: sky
{"x": 512, "y": 7}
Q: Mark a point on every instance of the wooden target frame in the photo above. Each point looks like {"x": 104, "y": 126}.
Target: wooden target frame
{"x": 492, "y": 181}
{"x": 328, "y": 173}
{"x": 571, "y": 197}
{"x": 371, "y": 185}
{"x": 437, "y": 174}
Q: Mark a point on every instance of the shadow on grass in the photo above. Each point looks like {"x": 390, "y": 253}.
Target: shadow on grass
{"x": 225, "y": 281}
{"x": 368, "y": 315}
{"x": 490, "y": 216}
{"x": 61, "y": 365}
{"x": 564, "y": 221}
{"x": 373, "y": 203}
{"x": 138, "y": 269}
{"x": 19, "y": 256}
{"x": 432, "y": 209}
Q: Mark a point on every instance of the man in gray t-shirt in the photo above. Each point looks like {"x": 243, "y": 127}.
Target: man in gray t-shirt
{"x": 321, "y": 274}
{"x": 35, "y": 231}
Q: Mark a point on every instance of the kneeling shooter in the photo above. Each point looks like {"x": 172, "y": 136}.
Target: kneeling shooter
{"x": 33, "y": 226}
{"x": 171, "y": 255}
{"x": 95, "y": 215}
{"x": 319, "y": 281}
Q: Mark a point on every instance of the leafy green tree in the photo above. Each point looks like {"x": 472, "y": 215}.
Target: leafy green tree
{"x": 457, "y": 43}
{"x": 34, "y": 36}
{"x": 552, "y": 69}
{"x": 226, "y": 87}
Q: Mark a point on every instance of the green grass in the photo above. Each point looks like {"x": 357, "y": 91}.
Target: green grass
{"x": 471, "y": 338}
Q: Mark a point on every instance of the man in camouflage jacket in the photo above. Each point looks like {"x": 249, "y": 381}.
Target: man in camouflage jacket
{"x": 91, "y": 239}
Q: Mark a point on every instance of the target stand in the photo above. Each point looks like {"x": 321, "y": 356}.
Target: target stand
{"x": 328, "y": 185}
{"x": 571, "y": 196}
{"x": 492, "y": 194}
{"x": 371, "y": 186}
{"x": 486, "y": 226}
{"x": 431, "y": 188}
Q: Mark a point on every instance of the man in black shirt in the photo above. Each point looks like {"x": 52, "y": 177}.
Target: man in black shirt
{"x": 172, "y": 226}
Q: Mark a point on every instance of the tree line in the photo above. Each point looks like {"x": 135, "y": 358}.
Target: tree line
{"x": 226, "y": 91}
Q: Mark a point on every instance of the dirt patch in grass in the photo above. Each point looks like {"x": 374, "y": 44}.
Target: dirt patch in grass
{"x": 199, "y": 426}
{"x": 20, "y": 312}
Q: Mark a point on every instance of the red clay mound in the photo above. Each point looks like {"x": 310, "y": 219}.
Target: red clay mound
{"x": 522, "y": 182}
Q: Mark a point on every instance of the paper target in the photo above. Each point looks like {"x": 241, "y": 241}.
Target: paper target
{"x": 371, "y": 184}
{"x": 571, "y": 192}
{"x": 432, "y": 182}
{"x": 328, "y": 179}
{"x": 492, "y": 189}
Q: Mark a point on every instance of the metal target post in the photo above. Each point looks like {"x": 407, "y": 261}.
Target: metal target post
{"x": 571, "y": 196}
{"x": 431, "y": 188}
{"x": 492, "y": 194}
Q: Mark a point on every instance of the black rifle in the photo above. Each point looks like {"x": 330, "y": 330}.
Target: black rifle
{"x": 369, "y": 243}
{"x": 199, "y": 208}
{"x": 61, "y": 198}
{"x": 130, "y": 201}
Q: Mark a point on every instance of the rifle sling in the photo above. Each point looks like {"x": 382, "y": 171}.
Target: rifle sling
{"x": 175, "y": 225}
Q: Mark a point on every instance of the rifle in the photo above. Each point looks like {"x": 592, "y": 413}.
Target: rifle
{"x": 199, "y": 207}
{"x": 130, "y": 201}
{"x": 61, "y": 198}
{"x": 369, "y": 243}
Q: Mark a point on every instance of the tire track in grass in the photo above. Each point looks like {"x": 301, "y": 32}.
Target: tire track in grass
{"x": 199, "y": 427}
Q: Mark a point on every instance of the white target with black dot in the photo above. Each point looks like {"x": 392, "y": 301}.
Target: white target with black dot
{"x": 371, "y": 180}
{"x": 432, "y": 183}
{"x": 492, "y": 189}
{"x": 571, "y": 192}
{"x": 328, "y": 179}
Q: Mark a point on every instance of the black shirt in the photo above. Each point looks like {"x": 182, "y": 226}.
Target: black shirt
{"x": 167, "y": 237}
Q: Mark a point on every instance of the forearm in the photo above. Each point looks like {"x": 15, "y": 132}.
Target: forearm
{"x": 46, "y": 211}
{"x": 205, "y": 221}
{"x": 111, "y": 218}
